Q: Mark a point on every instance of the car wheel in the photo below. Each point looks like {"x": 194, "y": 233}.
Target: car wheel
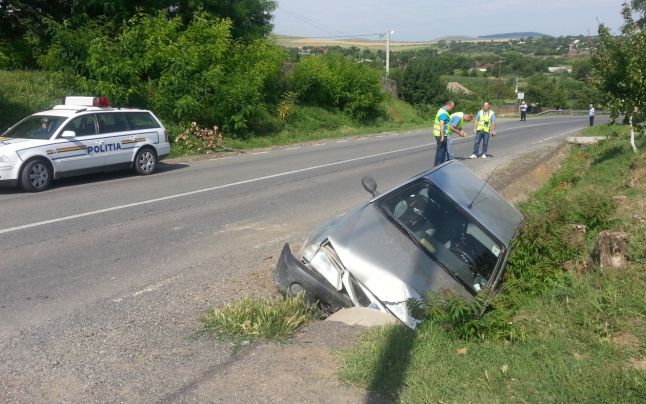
{"x": 35, "y": 176}
{"x": 145, "y": 161}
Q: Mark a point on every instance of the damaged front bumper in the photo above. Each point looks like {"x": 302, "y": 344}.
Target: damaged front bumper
{"x": 293, "y": 277}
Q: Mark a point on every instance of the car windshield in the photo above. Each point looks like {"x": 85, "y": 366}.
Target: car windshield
{"x": 444, "y": 231}
{"x": 36, "y": 127}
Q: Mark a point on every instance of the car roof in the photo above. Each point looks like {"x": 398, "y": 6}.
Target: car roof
{"x": 74, "y": 110}
{"x": 478, "y": 198}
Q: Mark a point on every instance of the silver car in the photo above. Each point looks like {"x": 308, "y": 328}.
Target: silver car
{"x": 443, "y": 230}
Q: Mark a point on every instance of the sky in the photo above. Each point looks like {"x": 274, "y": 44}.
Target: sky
{"x": 418, "y": 20}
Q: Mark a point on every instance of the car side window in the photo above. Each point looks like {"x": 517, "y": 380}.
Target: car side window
{"x": 141, "y": 120}
{"x": 84, "y": 125}
{"x": 112, "y": 122}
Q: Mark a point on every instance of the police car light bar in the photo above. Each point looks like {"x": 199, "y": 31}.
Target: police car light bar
{"x": 101, "y": 102}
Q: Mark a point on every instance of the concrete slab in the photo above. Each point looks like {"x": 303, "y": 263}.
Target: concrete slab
{"x": 585, "y": 140}
{"x": 362, "y": 316}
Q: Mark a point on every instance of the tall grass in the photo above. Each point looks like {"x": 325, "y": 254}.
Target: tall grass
{"x": 259, "y": 318}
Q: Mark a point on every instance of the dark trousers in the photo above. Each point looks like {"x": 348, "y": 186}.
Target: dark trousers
{"x": 592, "y": 121}
{"x": 481, "y": 137}
{"x": 441, "y": 151}
{"x": 523, "y": 115}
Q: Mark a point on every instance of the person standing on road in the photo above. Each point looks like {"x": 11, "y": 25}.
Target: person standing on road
{"x": 523, "y": 111}
{"x": 457, "y": 123}
{"x": 485, "y": 125}
{"x": 441, "y": 130}
{"x": 591, "y": 114}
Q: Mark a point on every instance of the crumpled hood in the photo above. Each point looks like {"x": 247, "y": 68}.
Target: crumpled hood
{"x": 385, "y": 260}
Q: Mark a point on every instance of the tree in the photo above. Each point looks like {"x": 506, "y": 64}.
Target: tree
{"x": 422, "y": 82}
{"x": 251, "y": 19}
{"x": 620, "y": 65}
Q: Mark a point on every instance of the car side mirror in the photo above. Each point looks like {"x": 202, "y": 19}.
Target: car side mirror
{"x": 370, "y": 185}
{"x": 68, "y": 134}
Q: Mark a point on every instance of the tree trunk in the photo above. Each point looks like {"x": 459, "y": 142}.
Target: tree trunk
{"x": 611, "y": 249}
{"x": 632, "y": 135}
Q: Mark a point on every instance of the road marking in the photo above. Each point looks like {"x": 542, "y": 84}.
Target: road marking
{"x": 203, "y": 190}
{"x": 256, "y": 153}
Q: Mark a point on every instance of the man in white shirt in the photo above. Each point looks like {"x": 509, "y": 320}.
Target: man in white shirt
{"x": 591, "y": 114}
{"x": 523, "y": 111}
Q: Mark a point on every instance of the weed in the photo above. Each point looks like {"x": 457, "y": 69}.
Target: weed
{"x": 259, "y": 318}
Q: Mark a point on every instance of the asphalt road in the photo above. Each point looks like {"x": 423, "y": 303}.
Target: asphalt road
{"x": 103, "y": 278}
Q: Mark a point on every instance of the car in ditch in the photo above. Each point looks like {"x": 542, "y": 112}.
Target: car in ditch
{"x": 445, "y": 230}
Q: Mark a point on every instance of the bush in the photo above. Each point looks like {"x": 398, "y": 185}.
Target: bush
{"x": 422, "y": 83}
{"x": 257, "y": 318}
{"x": 336, "y": 81}
{"x": 185, "y": 72}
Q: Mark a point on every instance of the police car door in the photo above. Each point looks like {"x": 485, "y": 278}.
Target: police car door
{"x": 117, "y": 134}
{"x": 85, "y": 151}
{"x": 144, "y": 130}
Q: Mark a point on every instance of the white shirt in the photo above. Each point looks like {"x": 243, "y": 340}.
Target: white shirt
{"x": 591, "y": 111}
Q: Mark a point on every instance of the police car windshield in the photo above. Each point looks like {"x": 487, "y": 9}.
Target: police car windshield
{"x": 36, "y": 127}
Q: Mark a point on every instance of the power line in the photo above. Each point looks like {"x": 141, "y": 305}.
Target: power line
{"x": 312, "y": 23}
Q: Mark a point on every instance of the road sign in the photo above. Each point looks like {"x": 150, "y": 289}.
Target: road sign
{"x": 521, "y": 96}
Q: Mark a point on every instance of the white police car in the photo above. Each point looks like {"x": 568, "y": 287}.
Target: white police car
{"x": 83, "y": 135}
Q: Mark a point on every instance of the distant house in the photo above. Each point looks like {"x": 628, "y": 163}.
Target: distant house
{"x": 483, "y": 68}
{"x": 559, "y": 69}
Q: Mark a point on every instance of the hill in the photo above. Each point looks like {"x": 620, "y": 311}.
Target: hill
{"x": 514, "y": 35}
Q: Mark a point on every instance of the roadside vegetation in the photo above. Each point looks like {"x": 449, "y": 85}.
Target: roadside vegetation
{"x": 255, "y": 318}
{"x": 561, "y": 329}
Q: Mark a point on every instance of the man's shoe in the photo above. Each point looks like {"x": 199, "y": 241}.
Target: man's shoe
{"x": 473, "y": 156}
{"x": 484, "y": 156}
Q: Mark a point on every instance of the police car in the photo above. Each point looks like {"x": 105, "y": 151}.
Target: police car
{"x": 83, "y": 135}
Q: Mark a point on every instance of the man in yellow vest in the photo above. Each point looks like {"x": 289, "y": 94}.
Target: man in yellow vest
{"x": 485, "y": 125}
{"x": 457, "y": 123}
{"x": 441, "y": 130}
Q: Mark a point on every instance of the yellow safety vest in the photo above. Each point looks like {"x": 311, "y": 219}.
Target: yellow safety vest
{"x": 436, "y": 124}
{"x": 461, "y": 124}
{"x": 484, "y": 121}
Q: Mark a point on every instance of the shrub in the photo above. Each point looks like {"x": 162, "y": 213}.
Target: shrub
{"x": 184, "y": 71}
{"x": 257, "y": 318}
{"x": 336, "y": 81}
{"x": 422, "y": 83}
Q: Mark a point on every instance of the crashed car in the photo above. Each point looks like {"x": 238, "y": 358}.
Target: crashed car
{"x": 443, "y": 230}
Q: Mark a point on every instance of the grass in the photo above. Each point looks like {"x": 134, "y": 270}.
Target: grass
{"x": 577, "y": 338}
{"x": 254, "y": 318}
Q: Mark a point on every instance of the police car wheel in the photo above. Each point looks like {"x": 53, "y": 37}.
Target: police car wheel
{"x": 36, "y": 176}
{"x": 145, "y": 162}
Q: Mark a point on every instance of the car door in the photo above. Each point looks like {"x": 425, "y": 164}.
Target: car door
{"x": 114, "y": 126}
{"x": 145, "y": 130}
{"x": 84, "y": 152}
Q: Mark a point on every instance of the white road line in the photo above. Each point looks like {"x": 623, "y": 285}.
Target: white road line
{"x": 203, "y": 190}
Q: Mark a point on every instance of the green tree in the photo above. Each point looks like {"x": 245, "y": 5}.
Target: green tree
{"x": 251, "y": 19}
{"x": 422, "y": 82}
{"x": 620, "y": 64}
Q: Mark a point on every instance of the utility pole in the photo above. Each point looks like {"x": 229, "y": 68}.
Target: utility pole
{"x": 388, "y": 34}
